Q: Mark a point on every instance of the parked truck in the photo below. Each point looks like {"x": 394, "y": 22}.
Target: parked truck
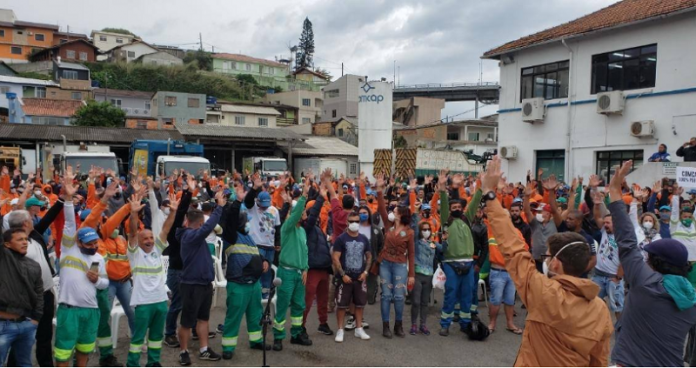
{"x": 338, "y": 166}
{"x": 421, "y": 162}
{"x": 80, "y": 157}
{"x": 159, "y": 157}
{"x": 267, "y": 166}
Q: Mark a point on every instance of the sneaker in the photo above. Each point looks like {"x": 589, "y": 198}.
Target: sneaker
{"x": 444, "y": 332}
{"x": 413, "y": 330}
{"x": 227, "y": 355}
{"x": 209, "y": 354}
{"x": 360, "y": 333}
{"x": 171, "y": 341}
{"x": 339, "y": 335}
{"x": 350, "y": 324}
{"x": 184, "y": 358}
{"x": 277, "y": 345}
{"x": 424, "y": 330}
{"x": 325, "y": 329}
{"x": 220, "y": 328}
{"x": 211, "y": 335}
{"x": 301, "y": 339}
{"x": 110, "y": 361}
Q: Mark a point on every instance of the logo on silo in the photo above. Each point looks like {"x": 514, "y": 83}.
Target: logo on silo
{"x": 370, "y": 98}
{"x": 367, "y": 87}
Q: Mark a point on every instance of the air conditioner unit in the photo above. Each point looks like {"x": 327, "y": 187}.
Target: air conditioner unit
{"x": 533, "y": 110}
{"x": 610, "y": 103}
{"x": 509, "y": 152}
{"x": 146, "y": 112}
{"x": 643, "y": 129}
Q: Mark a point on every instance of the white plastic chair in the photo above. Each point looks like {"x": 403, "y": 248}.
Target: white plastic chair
{"x": 56, "y": 292}
{"x": 165, "y": 266}
{"x": 220, "y": 281}
{"x": 482, "y": 285}
{"x": 116, "y": 313}
{"x": 264, "y": 302}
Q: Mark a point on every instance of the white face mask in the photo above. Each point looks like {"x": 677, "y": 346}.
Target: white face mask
{"x": 540, "y": 217}
{"x": 294, "y": 203}
{"x": 647, "y": 225}
{"x": 391, "y": 217}
{"x": 354, "y": 227}
{"x": 166, "y": 211}
{"x": 37, "y": 193}
{"x": 426, "y": 234}
{"x": 545, "y": 264}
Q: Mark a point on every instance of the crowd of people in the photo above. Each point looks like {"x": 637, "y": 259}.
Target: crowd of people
{"x": 337, "y": 243}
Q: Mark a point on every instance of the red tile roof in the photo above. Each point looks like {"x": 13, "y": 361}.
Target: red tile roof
{"x": 619, "y": 14}
{"x": 48, "y": 107}
{"x": 306, "y": 70}
{"x": 248, "y": 59}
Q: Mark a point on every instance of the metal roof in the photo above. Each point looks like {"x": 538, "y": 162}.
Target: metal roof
{"x": 249, "y": 109}
{"x": 321, "y": 146}
{"x": 244, "y": 133}
{"x": 32, "y": 132}
{"x": 20, "y": 80}
{"x": 123, "y": 93}
{"x": 75, "y": 66}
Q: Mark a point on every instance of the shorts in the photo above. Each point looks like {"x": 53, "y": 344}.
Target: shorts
{"x": 614, "y": 291}
{"x": 196, "y": 303}
{"x": 355, "y": 292}
{"x": 76, "y": 328}
{"x": 502, "y": 288}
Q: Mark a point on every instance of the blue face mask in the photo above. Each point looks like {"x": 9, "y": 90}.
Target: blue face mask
{"x": 364, "y": 217}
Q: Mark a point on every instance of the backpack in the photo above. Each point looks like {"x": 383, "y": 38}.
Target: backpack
{"x": 477, "y": 330}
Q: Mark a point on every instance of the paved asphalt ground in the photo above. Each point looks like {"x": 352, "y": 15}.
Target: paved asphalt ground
{"x": 500, "y": 349}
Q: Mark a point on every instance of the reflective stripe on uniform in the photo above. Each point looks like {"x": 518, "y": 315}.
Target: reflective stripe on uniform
{"x": 116, "y": 257}
{"x": 85, "y": 348}
{"x": 444, "y": 315}
{"x": 135, "y": 348}
{"x": 296, "y": 321}
{"x": 229, "y": 341}
{"x": 466, "y": 315}
{"x": 279, "y": 325}
{"x": 242, "y": 249}
{"x": 104, "y": 342}
{"x": 73, "y": 262}
{"x": 255, "y": 336}
{"x": 62, "y": 355}
{"x": 147, "y": 270}
{"x": 474, "y": 307}
{"x": 67, "y": 241}
{"x": 154, "y": 344}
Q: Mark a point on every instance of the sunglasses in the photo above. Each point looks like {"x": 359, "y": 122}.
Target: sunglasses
{"x": 354, "y": 222}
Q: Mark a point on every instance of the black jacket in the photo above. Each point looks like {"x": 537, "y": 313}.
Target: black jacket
{"x": 174, "y": 248}
{"x": 21, "y": 288}
{"x": 43, "y": 225}
{"x": 689, "y": 153}
{"x": 319, "y": 250}
{"x": 526, "y": 231}
{"x": 479, "y": 231}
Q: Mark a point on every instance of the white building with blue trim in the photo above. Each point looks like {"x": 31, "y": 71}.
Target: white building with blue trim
{"x": 586, "y": 95}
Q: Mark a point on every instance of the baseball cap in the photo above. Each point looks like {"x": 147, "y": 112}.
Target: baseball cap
{"x": 692, "y": 191}
{"x": 33, "y": 201}
{"x": 370, "y": 192}
{"x": 665, "y": 208}
{"x": 84, "y": 214}
{"x": 87, "y": 234}
{"x": 425, "y": 207}
{"x": 562, "y": 200}
{"x": 517, "y": 200}
{"x": 264, "y": 199}
{"x": 543, "y": 207}
{"x": 672, "y": 251}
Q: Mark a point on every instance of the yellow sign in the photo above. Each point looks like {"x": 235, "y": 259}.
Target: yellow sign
{"x": 140, "y": 159}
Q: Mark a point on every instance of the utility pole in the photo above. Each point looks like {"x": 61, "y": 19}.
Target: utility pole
{"x": 200, "y": 38}
{"x": 394, "y": 73}
{"x": 341, "y": 69}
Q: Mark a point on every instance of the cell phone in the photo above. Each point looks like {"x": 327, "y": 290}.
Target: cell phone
{"x": 94, "y": 267}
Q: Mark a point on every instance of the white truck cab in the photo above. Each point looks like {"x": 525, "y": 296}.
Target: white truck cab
{"x": 191, "y": 164}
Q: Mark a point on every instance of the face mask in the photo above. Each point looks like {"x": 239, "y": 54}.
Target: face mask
{"x": 687, "y": 222}
{"x": 294, "y": 203}
{"x": 166, "y": 211}
{"x": 426, "y": 234}
{"x": 363, "y": 217}
{"x": 37, "y": 193}
{"x": 370, "y": 200}
{"x": 391, "y": 217}
{"x": 114, "y": 234}
{"x": 647, "y": 225}
{"x": 88, "y": 251}
{"x": 354, "y": 227}
{"x": 545, "y": 264}
{"x": 457, "y": 214}
{"x": 664, "y": 216}
{"x": 540, "y": 217}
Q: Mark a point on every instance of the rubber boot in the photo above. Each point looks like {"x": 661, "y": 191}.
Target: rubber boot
{"x": 386, "y": 332}
{"x": 399, "y": 329}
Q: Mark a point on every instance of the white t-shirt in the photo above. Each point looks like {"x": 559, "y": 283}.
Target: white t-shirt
{"x": 35, "y": 253}
{"x": 608, "y": 254}
{"x": 366, "y": 230}
{"x": 262, "y": 225}
{"x": 212, "y": 237}
{"x": 148, "y": 274}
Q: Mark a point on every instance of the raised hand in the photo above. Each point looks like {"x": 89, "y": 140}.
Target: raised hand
{"x": 616, "y": 182}
{"x": 550, "y": 183}
{"x": 427, "y": 180}
{"x": 69, "y": 186}
{"x": 322, "y": 189}
{"x": 598, "y": 197}
{"x": 594, "y": 181}
{"x": 540, "y": 173}
{"x": 492, "y": 176}
{"x": 284, "y": 194}
{"x": 574, "y": 184}
{"x": 442, "y": 179}
{"x": 135, "y": 183}
{"x": 173, "y": 202}
{"x": 413, "y": 183}
{"x": 457, "y": 180}
{"x": 379, "y": 182}
{"x": 135, "y": 203}
{"x": 220, "y": 198}
{"x": 309, "y": 176}
{"x": 529, "y": 189}
{"x": 657, "y": 187}
{"x": 191, "y": 182}
{"x": 258, "y": 183}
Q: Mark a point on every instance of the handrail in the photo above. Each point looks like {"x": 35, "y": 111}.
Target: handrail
{"x": 448, "y": 85}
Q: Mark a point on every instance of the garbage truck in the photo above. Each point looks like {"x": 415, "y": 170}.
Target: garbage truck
{"x": 80, "y": 157}
{"x": 161, "y": 158}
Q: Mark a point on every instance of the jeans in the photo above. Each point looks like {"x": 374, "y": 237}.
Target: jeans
{"x": 502, "y": 288}
{"x": 20, "y": 337}
{"x": 393, "y": 277}
{"x": 613, "y": 290}
{"x": 268, "y": 254}
{"x": 458, "y": 288}
{"x": 173, "y": 280}
{"x": 122, "y": 290}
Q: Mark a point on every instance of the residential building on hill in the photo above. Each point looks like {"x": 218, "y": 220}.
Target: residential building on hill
{"x": 130, "y": 52}
{"x": 476, "y": 136}
{"x": 248, "y": 115}
{"x": 266, "y": 72}
{"x": 171, "y": 108}
{"x": 416, "y": 111}
{"x": 341, "y": 98}
{"x": 159, "y": 58}
{"x": 65, "y": 37}
{"x": 136, "y": 104}
{"x": 344, "y": 128}
{"x": 77, "y": 50}
{"x": 583, "y": 96}
{"x": 20, "y": 88}
{"x": 106, "y": 41}
{"x": 308, "y": 75}
{"x": 43, "y": 111}
{"x": 19, "y": 39}
{"x": 309, "y": 104}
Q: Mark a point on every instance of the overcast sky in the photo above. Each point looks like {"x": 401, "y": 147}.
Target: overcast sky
{"x": 432, "y": 41}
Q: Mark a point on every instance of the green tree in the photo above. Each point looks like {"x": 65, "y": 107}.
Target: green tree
{"x": 34, "y": 75}
{"x": 324, "y": 72}
{"x": 99, "y": 114}
{"x": 203, "y": 60}
{"x": 119, "y": 31}
{"x": 306, "y": 45}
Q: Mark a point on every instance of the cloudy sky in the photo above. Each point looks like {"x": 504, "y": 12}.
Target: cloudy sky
{"x": 432, "y": 41}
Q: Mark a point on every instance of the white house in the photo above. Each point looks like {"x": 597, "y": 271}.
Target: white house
{"x": 639, "y": 51}
{"x": 131, "y": 52}
{"x": 106, "y": 41}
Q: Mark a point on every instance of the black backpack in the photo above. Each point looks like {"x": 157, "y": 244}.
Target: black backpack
{"x": 477, "y": 330}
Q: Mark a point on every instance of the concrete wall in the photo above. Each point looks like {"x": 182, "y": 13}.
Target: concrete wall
{"x": 181, "y": 112}
{"x": 138, "y": 49}
{"x": 110, "y": 42}
{"x": 161, "y": 58}
{"x": 346, "y": 103}
{"x": 129, "y": 104}
{"x": 250, "y": 120}
{"x": 57, "y": 93}
{"x": 294, "y": 99}
{"x": 673, "y": 112}
{"x": 426, "y": 110}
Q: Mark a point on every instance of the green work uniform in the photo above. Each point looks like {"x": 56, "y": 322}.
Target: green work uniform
{"x": 106, "y": 347}
{"x": 291, "y": 293}
{"x": 148, "y": 317}
{"x": 76, "y": 328}
{"x": 242, "y": 299}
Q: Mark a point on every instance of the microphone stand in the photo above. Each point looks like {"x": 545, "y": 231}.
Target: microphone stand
{"x": 266, "y": 321}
